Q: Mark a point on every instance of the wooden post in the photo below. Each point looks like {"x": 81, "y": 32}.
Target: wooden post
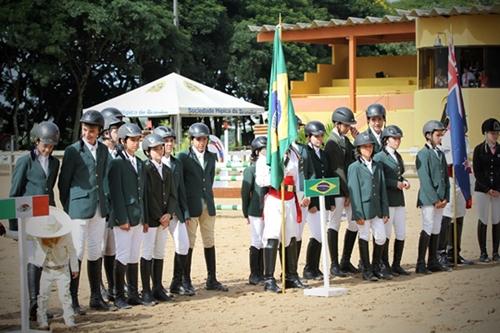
{"x": 352, "y": 72}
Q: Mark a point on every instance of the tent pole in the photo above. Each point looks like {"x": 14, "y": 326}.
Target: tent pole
{"x": 178, "y": 131}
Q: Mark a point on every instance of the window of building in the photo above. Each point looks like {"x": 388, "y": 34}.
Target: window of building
{"x": 476, "y": 66}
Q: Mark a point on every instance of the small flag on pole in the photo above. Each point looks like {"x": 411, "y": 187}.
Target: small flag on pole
{"x": 458, "y": 125}
{"x": 21, "y": 207}
{"x": 282, "y": 123}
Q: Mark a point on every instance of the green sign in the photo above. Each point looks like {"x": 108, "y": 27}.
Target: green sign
{"x": 322, "y": 186}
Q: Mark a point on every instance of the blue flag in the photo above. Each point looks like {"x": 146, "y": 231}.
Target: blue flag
{"x": 458, "y": 125}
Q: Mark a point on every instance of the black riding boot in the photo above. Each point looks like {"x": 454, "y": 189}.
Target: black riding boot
{"x": 364, "y": 255}
{"x": 109, "y": 264}
{"x": 119, "y": 278}
{"x": 158, "y": 292}
{"x": 146, "y": 277}
{"x": 451, "y": 255}
{"x": 94, "y": 272}
{"x": 292, "y": 279}
{"x": 261, "y": 266}
{"x": 423, "y": 244}
{"x": 132, "y": 283}
{"x": 377, "y": 265}
{"x": 270, "y": 252}
{"x": 398, "y": 254}
{"x": 496, "y": 239}
{"x": 311, "y": 269}
{"x": 34, "y": 274}
{"x": 299, "y": 247}
{"x": 73, "y": 288}
{"x": 255, "y": 277}
{"x": 443, "y": 241}
{"x": 345, "y": 263}
{"x": 333, "y": 247}
{"x": 433, "y": 263}
{"x": 186, "y": 277}
{"x": 176, "y": 286}
{"x": 385, "y": 266}
{"x": 212, "y": 283}
{"x": 481, "y": 237}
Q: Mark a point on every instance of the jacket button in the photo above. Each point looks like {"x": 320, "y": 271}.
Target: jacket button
{"x": 203, "y": 179}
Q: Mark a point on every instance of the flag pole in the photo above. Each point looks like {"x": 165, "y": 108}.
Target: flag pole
{"x": 455, "y": 234}
{"x": 283, "y": 238}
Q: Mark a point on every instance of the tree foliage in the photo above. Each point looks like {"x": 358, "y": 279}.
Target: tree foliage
{"x": 58, "y": 57}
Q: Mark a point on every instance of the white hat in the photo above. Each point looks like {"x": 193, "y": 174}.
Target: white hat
{"x": 56, "y": 224}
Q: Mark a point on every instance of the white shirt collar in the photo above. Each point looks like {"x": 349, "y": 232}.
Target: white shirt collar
{"x": 89, "y": 146}
{"x": 377, "y": 136}
{"x": 367, "y": 163}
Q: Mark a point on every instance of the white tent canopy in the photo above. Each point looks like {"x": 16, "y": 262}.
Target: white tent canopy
{"x": 176, "y": 95}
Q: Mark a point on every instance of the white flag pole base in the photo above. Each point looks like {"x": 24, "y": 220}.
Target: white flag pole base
{"x": 325, "y": 291}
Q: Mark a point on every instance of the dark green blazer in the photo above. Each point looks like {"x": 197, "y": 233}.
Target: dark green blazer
{"x": 340, "y": 154}
{"x": 321, "y": 170}
{"x": 199, "y": 181}
{"x": 181, "y": 209}
{"x": 433, "y": 176}
{"x": 30, "y": 179}
{"x": 367, "y": 191}
{"x": 252, "y": 195}
{"x": 126, "y": 187}
{"x": 306, "y": 169}
{"x": 376, "y": 146}
{"x": 81, "y": 181}
{"x": 159, "y": 193}
{"x": 393, "y": 173}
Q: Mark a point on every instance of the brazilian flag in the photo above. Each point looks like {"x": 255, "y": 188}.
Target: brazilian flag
{"x": 282, "y": 123}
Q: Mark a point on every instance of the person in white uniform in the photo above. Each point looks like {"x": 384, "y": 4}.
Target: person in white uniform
{"x": 445, "y": 246}
{"x": 109, "y": 137}
{"x": 126, "y": 188}
{"x": 394, "y": 169}
{"x": 272, "y": 220}
{"x": 82, "y": 187}
{"x": 159, "y": 207}
{"x": 177, "y": 226}
{"x": 54, "y": 252}
{"x": 486, "y": 163}
{"x": 370, "y": 207}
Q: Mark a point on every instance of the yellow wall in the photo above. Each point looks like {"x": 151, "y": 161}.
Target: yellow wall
{"x": 340, "y": 59}
{"x": 466, "y": 29}
{"x": 479, "y": 103}
{"x": 390, "y": 65}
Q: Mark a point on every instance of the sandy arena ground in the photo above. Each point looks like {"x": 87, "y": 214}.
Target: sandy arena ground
{"x": 466, "y": 300}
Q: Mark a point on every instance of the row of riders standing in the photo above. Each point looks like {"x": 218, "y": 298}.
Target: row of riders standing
{"x": 371, "y": 198}
{"x": 123, "y": 208}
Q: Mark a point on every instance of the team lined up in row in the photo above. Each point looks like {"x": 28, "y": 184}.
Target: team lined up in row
{"x": 122, "y": 209}
{"x": 371, "y": 196}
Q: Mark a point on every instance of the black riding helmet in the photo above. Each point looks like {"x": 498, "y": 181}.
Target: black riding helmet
{"x": 363, "y": 138}
{"x": 93, "y": 117}
{"x": 431, "y": 126}
{"x": 490, "y": 125}
{"x": 314, "y": 128}
{"x": 106, "y": 112}
{"x": 343, "y": 115}
{"x": 164, "y": 132}
{"x": 151, "y": 141}
{"x": 129, "y": 130}
{"x": 198, "y": 130}
{"x": 47, "y": 132}
{"x": 375, "y": 110}
{"x": 392, "y": 131}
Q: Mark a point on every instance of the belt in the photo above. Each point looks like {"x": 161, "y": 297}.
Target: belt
{"x": 55, "y": 267}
